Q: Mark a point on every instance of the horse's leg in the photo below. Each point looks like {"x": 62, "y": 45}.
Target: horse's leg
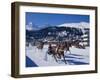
{"x": 65, "y": 51}
{"x": 64, "y": 58}
{"x": 59, "y": 55}
{"x": 46, "y": 56}
{"x": 70, "y": 51}
{"x": 55, "y": 57}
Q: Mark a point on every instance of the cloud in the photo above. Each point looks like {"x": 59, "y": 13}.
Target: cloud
{"x": 29, "y": 26}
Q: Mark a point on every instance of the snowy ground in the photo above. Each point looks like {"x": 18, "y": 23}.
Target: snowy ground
{"x": 40, "y": 58}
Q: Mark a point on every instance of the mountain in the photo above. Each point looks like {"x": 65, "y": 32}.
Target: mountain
{"x": 53, "y": 32}
{"x": 64, "y": 32}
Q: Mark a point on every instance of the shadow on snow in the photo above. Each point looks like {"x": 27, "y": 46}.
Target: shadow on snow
{"x": 77, "y": 62}
{"x": 72, "y": 59}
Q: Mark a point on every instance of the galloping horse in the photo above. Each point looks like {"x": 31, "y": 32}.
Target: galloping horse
{"x": 40, "y": 45}
{"x": 68, "y": 44}
{"x": 57, "y": 51}
{"x": 78, "y": 45}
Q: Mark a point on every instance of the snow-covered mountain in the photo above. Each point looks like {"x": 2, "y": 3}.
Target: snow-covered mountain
{"x": 61, "y": 32}
{"x": 81, "y": 25}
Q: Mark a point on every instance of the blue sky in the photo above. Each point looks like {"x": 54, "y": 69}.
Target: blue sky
{"x": 42, "y": 19}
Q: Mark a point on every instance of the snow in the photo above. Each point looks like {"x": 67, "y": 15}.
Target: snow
{"x": 85, "y": 35}
{"x": 63, "y": 33}
{"x": 85, "y": 43}
{"x": 42, "y": 59}
{"x": 76, "y": 25}
{"x": 85, "y": 39}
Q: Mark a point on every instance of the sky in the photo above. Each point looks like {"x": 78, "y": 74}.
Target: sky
{"x": 41, "y": 19}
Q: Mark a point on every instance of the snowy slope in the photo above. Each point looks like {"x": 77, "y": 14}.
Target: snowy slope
{"x": 77, "y": 56}
{"x": 76, "y": 25}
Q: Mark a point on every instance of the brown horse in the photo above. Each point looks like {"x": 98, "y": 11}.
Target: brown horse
{"x": 78, "y": 45}
{"x": 57, "y": 51}
{"x": 40, "y": 45}
{"x": 68, "y": 44}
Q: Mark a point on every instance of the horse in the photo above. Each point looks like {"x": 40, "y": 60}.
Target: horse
{"x": 68, "y": 44}
{"x": 40, "y": 45}
{"x": 57, "y": 51}
{"x": 77, "y": 44}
